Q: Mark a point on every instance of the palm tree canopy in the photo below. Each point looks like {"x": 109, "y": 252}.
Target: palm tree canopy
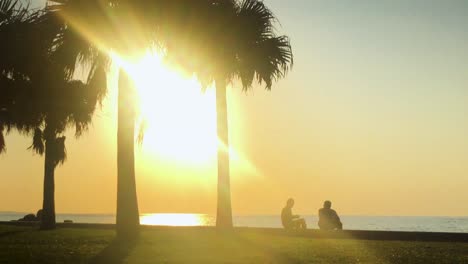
{"x": 38, "y": 92}
{"x": 17, "y": 26}
{"x": 260, "y": 53}
{"x": 235, "y": 39}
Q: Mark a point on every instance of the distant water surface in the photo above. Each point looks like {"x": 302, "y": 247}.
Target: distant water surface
{"x": 389, "y": 223}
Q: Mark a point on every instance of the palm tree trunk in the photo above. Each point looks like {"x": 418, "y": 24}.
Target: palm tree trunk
{"x": 128, "y": 221}
{"x": 224, "y": 211}
{"x": 48, "y": 204}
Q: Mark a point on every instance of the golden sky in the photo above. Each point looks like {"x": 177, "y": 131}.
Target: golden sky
{"x": 373, "y": 117}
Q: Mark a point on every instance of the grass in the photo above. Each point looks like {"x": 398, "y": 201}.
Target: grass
{"x": 189, "y": 245}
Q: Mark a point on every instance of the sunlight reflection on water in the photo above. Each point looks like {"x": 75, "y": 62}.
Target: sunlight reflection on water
{"x": 176, "y": 219}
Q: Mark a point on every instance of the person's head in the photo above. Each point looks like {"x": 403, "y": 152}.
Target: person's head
{"x": 290, "y": 203}
{"x": 327, "y": 204}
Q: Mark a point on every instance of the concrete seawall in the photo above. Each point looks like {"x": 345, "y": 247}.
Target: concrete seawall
{"x": 310, "y": 233}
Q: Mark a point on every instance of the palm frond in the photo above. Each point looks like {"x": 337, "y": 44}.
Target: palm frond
{"x": 2, "y": 141}
{"x": 7, "y": 8}
{"x": 12, "y": 10}
{"x": 97, "y": 77}
{"x": 261, "y": 54}
{"x": 274, "y": 59}
{"x": 80, "y": 36}
{"x": 18, "y": 29}
{"x": 255, "y": 20}
{"x": 59, "y": 151}
{"x": 69, "y": 49}
{"x": 38, "y": 142}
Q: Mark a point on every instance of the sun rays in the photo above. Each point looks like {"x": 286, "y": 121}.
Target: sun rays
{"x": 179, "y": 117}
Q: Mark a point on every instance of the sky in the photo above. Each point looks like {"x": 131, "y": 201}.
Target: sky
{"x": 373, "y": 116}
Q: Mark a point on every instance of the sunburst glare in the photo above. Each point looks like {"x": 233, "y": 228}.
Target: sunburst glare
{"x": 180, "y": 119}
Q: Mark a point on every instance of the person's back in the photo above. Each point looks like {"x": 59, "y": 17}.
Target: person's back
{"x": 328, "y": 218}
{"x": 286, "y": 217}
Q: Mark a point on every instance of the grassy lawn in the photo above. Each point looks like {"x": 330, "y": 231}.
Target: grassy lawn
{"x": 179, "y": 245}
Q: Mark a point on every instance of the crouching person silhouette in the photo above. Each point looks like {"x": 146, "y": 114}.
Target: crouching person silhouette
{"x": 328, "y": 218}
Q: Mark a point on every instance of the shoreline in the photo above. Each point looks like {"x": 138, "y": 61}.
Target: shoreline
{"x": 310, "y": 233}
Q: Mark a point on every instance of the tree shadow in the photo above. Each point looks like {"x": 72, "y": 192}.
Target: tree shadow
{"x": 116, "y": 252}
{"x": 275, "y": 255}
{"x": 11, "y": 233}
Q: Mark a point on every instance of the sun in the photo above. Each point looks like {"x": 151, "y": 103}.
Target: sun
{"x": 179, "y": 117}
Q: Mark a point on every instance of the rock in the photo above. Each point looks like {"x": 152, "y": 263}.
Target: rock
{"x": 29, "y": 218}
{"x": 32, "y": 217}
{"x": 39, "y": 215}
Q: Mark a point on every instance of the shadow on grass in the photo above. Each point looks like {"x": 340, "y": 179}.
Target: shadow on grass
{"x": 11, "y": 233}
{"x": 271, "y": 252}
{"x": 116, "y": 252}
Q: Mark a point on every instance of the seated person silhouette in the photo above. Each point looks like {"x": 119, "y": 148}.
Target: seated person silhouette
{"x": 289, "y": 220}
{"x": 328, "y": 218}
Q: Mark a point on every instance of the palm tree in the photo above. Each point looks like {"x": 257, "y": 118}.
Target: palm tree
{"x": 248, "y": 49}
{"x": 45, "y": 109}
{"x": 46, "y": 116}
{"x": 109, "y": 26}
{"x": 79, "y": 40}
{"x": 44, "y": 101}
{"x": 72, "y": 104}
{"x": 230, "y": 39}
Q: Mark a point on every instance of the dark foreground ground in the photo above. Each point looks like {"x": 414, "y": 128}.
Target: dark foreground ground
{"x": 206, "y": 245}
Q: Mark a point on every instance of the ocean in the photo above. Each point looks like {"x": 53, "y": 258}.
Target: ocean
{"x": 388, "y": 223}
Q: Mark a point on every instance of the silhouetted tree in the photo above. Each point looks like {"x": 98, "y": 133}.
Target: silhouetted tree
{"x": 221, "y": 40}
{"x": 104, "y": 29}
{"x": 126, "y": 28}
{"x": 41, "y": 97}
{"x": 73, "y": 106}
{"x": 242, "y": 44}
